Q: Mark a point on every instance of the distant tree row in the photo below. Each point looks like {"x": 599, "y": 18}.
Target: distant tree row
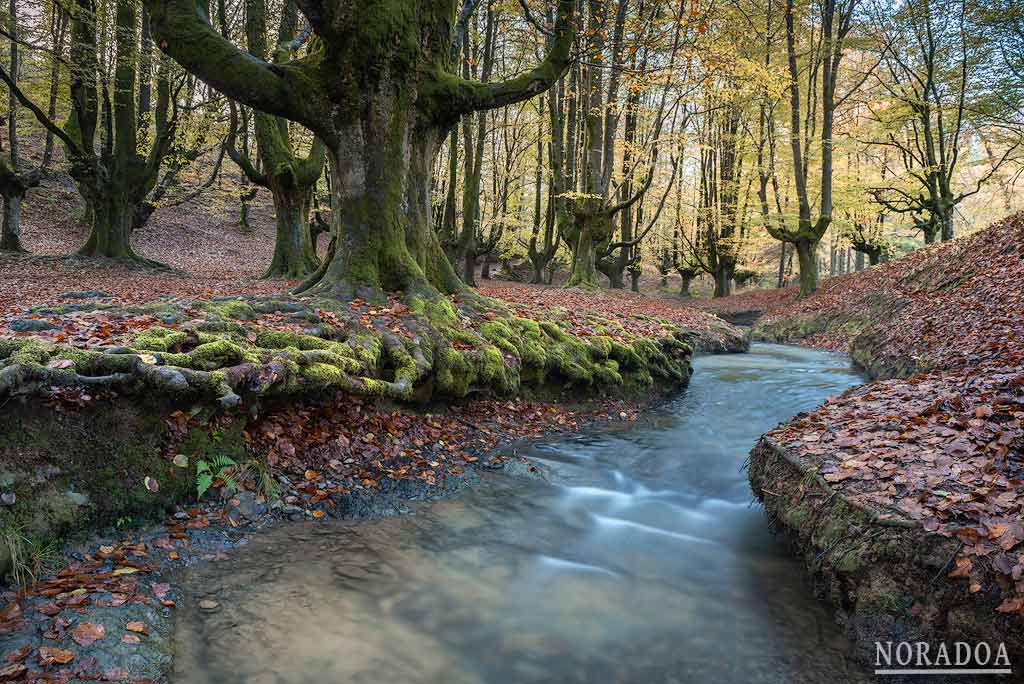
{"x": 432, "y": 140}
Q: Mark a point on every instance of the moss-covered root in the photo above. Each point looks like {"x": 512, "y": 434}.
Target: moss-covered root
{"x": 446, "y": 349}
{"x": 505, "y": 353}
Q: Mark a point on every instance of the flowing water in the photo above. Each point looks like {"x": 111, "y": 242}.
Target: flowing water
{"x": 641, "y": 560}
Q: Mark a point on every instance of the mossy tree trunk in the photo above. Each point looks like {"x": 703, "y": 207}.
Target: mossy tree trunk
{"x": 808, "y": 260}
{"x": 13, "y": 186}
{"x": 377, "y": 89}
{"x": 111, "y": 174}
{"x": 10, "y": 237}
{"x": 113, "y": 216}
{"x": 119, "y": 181}
{"x": 294, "y": 253}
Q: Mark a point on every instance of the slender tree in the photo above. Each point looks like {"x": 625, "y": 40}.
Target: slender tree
{"x": 836, "y": 21}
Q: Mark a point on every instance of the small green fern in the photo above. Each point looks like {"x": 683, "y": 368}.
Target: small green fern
{"x": 207, "y": 472}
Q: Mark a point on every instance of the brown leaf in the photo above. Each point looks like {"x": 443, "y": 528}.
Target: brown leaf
{"x": 18, "y": 655}
{"x": 86, "y": 633}
{"x": 1012, "y": 604}
{"x": 9, "y": 673}
{"x": 137, "y": 626}
{"x": 963, "y": 567}
{"x": 12, "y": 611}
{"x": 49, "y": 655}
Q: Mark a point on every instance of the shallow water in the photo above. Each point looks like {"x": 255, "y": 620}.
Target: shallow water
{"x": 642, "y": 560}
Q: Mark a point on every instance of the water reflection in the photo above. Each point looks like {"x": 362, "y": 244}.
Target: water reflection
{"x": 642, "y": 560}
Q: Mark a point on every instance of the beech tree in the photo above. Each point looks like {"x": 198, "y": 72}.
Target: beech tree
{"x": 290, "y": 176}
{"x": 115, "y": 155}
{"x": 379, "y": 89}
{"x": 938, "y": 96}
{"x": 836, "y": 22}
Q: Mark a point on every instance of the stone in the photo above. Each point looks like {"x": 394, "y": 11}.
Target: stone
{"x": 31, "y": 325}
{"x": 248, "y": 506}
{"x": 77, "y": 498}
{"x": 170, "y": 318}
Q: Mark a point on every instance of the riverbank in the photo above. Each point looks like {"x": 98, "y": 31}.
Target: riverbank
{"x": 109, "y": 613}
{"x": 156, "y": 384}
{"x": 905, "y": 496}
{"x": 123, "y": 403}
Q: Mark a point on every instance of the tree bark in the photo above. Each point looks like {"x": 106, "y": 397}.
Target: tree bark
{"x": 294, "y": 254}
{"x": 584, "y": 261}
{"x": 684, "y": 285}
{"x": 113, "y": 217}
{"x": 10, "y": 239}
{"x": 807, "y": 259}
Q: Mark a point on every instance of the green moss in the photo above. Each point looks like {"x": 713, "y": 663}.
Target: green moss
{"x": 159, "y": 339}
{"x": 31, "y": 353}
{"x": 281, "y": 339}
{"x": 552, "y": 330}
{"x": 322, "y": 375}
{"x": 437, "y": 310}
{"x": 601, "y": 346}
{"x": 231, "y": 309}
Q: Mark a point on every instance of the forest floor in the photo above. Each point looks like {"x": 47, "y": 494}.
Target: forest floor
{"x": 936, "y": 443}
{"x": 107, "y": 615}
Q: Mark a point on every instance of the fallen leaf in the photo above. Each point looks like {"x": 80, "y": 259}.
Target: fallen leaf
{"x": 137, "y": 626}
{"x": 86, "y": 633}
{"x": 9, "y": 673}
{"x": 18, "y": 655}
{"x": 49, "y": 655}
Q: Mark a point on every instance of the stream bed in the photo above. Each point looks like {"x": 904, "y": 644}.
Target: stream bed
{"x": 640, "y": 558}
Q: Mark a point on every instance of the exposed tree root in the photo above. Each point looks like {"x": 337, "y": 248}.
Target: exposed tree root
{"x": 237, "y": 352}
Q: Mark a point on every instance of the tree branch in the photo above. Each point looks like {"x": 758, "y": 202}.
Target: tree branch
{"x": 40, "y": 115}
{"x": 455, "y": 96}
{"x": 182, "y": 29}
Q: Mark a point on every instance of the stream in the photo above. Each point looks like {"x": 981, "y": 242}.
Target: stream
{"x": 642, "y": 559}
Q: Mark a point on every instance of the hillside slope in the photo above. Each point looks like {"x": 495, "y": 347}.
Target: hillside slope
{"x": 906, "y": 495}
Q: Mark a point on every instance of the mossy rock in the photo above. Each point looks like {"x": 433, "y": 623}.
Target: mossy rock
{"x": 75, "y": 471}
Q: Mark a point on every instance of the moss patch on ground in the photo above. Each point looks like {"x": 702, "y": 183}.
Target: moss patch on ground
{"x": 62, "y": 472}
